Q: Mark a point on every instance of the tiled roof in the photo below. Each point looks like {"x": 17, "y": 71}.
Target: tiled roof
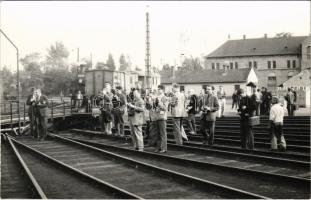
{"x": 206, "y": 76}
{"x": 259, "y": 47}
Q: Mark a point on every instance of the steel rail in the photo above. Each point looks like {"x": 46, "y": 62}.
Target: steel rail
{"x": 120, "y": 193}
{"x": 204, "y": 165}
{"x": 272, "y": 155}
{"x": 38, "y": 192}
{"x": 200, "y": 183}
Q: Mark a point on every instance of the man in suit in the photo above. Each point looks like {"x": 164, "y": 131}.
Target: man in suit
{"x": 160, "y": 107}
{"x": 41, "y": 113}
{"x": 137, "y": 120}
{"x": 119, "y": 103}
{"x": 30, "y": 102}
{"x": 209, "y": 106}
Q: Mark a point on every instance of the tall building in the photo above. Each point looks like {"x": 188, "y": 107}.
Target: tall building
{"x": 275, "y": 60}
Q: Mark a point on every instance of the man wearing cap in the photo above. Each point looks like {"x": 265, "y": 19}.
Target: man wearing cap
{"x": 209, "y": 106}
{"x": 246, "y": 110}
{"x": 276, "y": 125}
{"x": 160, "y": 107}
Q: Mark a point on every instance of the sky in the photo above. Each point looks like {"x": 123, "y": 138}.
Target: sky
{"x": 192, "y": 28}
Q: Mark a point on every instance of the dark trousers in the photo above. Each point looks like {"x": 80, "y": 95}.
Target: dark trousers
{"x": 235, "y": 104}
{"x": 191, "y": 123}
{"x": 147, "y": 130}
{"x": 118, "y": 123}
{"x": 210, "y": 126}
{"x": 257, "y": 111}
{"x": 41, "y": 127}
{"x": 247, "y": 137}
{"x": 153, "y": 133}
{"x": 290, "y": 109}
{"x": 161, "y": 135}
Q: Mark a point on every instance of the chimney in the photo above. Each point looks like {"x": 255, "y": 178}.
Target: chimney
{"x": 244, "y": 37}
{"x": 266, "y": 35}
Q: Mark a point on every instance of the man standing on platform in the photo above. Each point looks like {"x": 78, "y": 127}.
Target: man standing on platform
{"x": 30, "y": 102}
{"x": 160, "y": 107}
{"x": 209, "y": 106}
{"x": 41, "y": 113}
{"x": 119, "y": 103}
{"x": 178, "y": 109}
{"x": 137, "y": 120}
{"x": 222, "y": 100}
{"x": 191, "y": 109}
{"x": 246, "y": 110}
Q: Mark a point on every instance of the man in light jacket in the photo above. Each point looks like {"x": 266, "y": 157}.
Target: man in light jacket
{"x": 209, "y": 106}
{"x": 137, "y": 121}
{"x": 178, "y": 112}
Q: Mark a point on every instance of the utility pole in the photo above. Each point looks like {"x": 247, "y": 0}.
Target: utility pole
{"x": 17, "y": 79}
{"x": 148, "y": 58}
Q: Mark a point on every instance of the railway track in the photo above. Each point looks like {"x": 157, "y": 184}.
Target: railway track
{"x": 142, "y": 179}
{"x": 57, "y": 180}
{"x": 276, "y": 180}
{"x": 16, "y": 179}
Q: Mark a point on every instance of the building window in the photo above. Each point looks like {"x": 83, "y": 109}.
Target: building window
{"x": 250, "y": 64}
{"x": 255, "y": 64}
{"x": 213, "y": 65}
{"x": 272, "y": 80}
{"x": 288, "y": 63}
{"x": 217, "y": 65}
{"x": 236, "y": 65}
{"x": 294, "y": 63}
{"x": 274, "y": 64}
{"x": 308, "y": 52}
{"x": 269, "y": 64}
{"x": 231, "y": 65}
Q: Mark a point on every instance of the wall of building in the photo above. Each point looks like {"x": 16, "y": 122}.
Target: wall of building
{"x": 306, "y": 56}
{"x": 229, "y": 88}
{"x": 281, "y": 71}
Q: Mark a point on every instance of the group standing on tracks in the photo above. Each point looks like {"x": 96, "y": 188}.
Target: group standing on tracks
{"x": 151, "y": 107}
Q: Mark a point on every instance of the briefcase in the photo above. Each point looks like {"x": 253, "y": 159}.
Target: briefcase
{"x": 253, "y": 121}
{"x": 96, "y": 112}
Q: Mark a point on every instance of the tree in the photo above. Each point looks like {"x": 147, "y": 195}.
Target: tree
{"x": 32, "y": 75}
{"x": 124, "y": 64}
{"x": 7, "y": 80}
{"x": 192, "y": 64}
{"x": 57, "y": 56}
{"x": 100, "y": 65}
{"x": 283, "y": 34}
{"x": 166, "y": 67}
{"x": 110, "y": 62}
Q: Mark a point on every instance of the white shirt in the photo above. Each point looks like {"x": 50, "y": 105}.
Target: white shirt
{"x": 277, "y": 113}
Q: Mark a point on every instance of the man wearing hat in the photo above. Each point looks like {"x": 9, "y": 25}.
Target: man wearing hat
{"x": 276, "y": 125}
{"x": 246, "y": 110}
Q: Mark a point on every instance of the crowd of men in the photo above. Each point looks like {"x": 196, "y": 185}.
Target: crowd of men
{"x": 151, "y": 107}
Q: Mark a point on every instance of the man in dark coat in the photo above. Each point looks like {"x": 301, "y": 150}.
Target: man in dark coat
{"x": 41, "y": 113}
{"x": 246, "y": 110}
{"x": 30, "y": 102}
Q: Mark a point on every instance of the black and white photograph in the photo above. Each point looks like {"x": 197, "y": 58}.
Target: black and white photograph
{"x": 155, "y": 99}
